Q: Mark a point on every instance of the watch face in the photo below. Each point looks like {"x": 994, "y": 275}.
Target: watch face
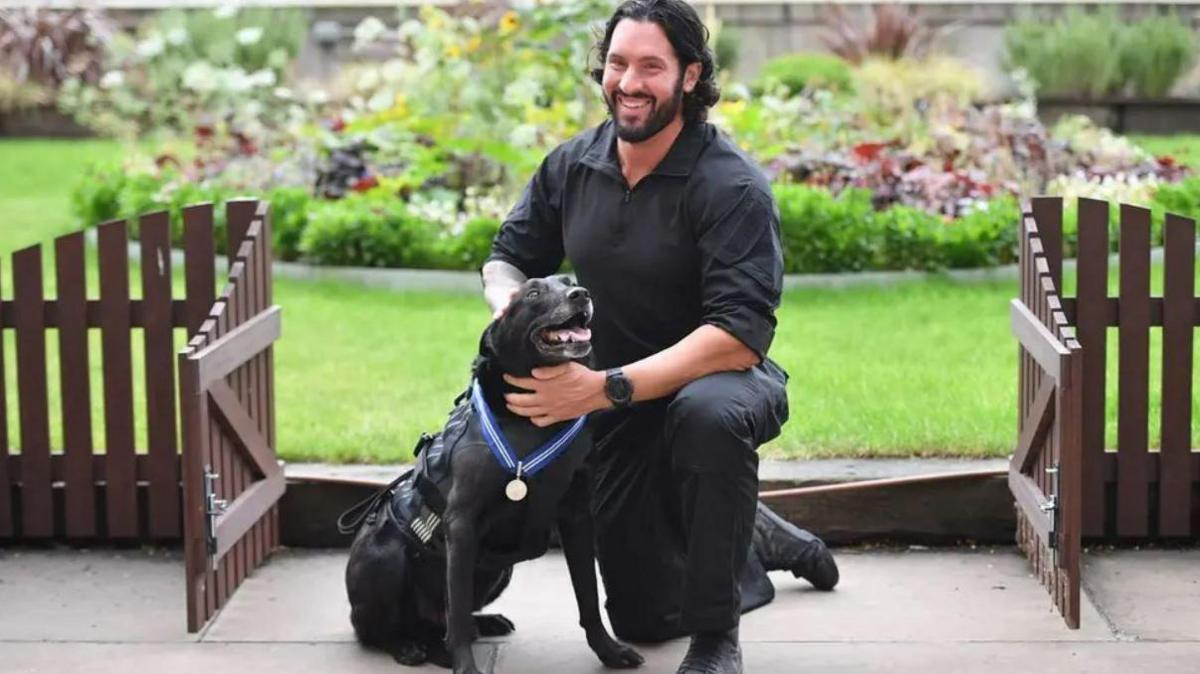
{"x": 618, "y": 388}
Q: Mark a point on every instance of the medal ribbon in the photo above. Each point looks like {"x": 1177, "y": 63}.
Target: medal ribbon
{"x": 536, "y": 460}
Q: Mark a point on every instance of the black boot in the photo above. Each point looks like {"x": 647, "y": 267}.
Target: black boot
{"x": 713, "y": 653}
{"x": 783, "y": 546}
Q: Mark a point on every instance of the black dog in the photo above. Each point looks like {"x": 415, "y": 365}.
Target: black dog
{"x": 440, "y": 542}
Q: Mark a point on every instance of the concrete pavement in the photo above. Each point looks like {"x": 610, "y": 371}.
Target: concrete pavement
{"x": 895, "y": 611}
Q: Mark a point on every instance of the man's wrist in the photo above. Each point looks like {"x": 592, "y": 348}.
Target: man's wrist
{"x": 600, "y": 397}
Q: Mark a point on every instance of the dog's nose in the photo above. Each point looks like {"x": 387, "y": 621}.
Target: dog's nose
{"x": 578, "y": 293}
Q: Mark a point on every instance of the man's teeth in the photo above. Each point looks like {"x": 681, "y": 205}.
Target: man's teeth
{"x": 634, "y": 105}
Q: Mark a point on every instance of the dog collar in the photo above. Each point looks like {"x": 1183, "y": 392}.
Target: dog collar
{"x": 532, "y": 463}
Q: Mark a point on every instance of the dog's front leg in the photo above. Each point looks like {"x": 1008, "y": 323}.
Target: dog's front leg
{"x": 575, "y": 530}
{"x": 462, "y": 544}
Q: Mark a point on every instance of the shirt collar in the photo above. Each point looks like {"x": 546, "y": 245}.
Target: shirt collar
{"x": 679, "y": 160}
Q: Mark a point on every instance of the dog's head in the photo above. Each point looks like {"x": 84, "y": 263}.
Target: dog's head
{"x": 545, "y": 324}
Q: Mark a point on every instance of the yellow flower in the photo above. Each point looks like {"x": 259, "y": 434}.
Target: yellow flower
{"x": 399, "y": 107}
{"x": 474, "y": 44}
{"x": 453, "y": 51}
{"x": 509, "y": 22}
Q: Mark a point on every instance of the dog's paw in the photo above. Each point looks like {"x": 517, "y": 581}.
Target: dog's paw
{"x": 493, "y": 625}
{"x": 617, "y": 655}
{"x": 410, "y": 654}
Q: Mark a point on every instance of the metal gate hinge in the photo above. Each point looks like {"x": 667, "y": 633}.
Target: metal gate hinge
{"x": 213, "y": 508}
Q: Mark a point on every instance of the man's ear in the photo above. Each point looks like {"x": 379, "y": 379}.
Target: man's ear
{"x": 691, "y": 75}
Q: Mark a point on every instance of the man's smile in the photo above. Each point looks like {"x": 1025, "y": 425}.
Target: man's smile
{"x": 633, "y": 103}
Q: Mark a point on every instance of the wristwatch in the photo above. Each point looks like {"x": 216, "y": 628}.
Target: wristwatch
{"x": 618, "y": 388}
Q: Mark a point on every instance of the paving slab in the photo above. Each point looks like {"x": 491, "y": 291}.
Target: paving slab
{"x": 92, "y": 595}
{"x": 1147, "y": 594}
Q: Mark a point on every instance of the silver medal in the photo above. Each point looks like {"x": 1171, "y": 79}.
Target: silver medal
{"x": 516, "y": 490}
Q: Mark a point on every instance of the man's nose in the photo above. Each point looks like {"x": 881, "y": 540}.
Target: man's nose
{"x": 578, "y": 293}
{"x": 629, "y": 82}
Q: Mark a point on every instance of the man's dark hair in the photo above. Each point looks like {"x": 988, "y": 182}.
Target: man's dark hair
{"x": 687, "y": 34}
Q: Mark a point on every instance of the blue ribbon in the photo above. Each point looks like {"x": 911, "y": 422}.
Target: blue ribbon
{"x": 536, "y": 460}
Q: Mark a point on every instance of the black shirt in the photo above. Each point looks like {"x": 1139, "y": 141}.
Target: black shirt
{"x": 696, "y": 241}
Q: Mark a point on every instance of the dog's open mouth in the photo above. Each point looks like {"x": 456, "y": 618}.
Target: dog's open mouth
{"x": 571, "y": 338}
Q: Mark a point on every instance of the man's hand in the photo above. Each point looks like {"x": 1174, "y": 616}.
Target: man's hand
{"x": 560, "y": 393}
{"x": 503, "y": 302}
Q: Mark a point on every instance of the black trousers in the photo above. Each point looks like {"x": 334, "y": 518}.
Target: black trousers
{"x": 676, "y": 483}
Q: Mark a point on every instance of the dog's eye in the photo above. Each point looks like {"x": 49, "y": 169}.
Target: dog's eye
{"x": 532, "y": 294}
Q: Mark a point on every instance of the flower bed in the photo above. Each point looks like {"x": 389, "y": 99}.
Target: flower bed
{"x": 885, "y": 164}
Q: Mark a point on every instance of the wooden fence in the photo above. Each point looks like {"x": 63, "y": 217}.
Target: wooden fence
{"x": 1132, "y": 492}
{"x": 128, "y": 488}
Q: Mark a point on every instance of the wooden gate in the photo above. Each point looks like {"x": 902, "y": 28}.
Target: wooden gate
{"x": 1045, "y": 470}
{"x": 231, "y": 479}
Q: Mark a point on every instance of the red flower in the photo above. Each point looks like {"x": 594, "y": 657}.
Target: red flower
{"x": 365, "y": 183}
{"x": 1166, "y": 161}
{"x": 866, "y": 152}
{"x": 337, "y": 124}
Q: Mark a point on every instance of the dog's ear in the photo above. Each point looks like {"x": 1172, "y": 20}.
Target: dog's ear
{"x": 487, "y": 351}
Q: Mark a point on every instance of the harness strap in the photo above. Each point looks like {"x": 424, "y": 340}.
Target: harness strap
{"x": 350, "y": 520}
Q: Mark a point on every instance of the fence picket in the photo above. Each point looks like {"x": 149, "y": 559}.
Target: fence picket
{"x": 1091, "y": 320}
{"x": 37, "y": 515}
{"x": 75, "y": 386}
{"x": 1133, "y": 373}
{"x": 120, "y": 461}
{"x": 155, "y": 235}
{"x": 7, "y": 528}
{"x": 1179, "y": 320}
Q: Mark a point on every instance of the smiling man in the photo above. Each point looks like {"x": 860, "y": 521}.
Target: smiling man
{"x": 675, "y": 233}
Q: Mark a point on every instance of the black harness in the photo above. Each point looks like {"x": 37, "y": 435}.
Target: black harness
{"x": 416, "y": 500}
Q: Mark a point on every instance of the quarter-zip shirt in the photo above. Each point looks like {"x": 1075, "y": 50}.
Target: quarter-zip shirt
{"x": 694, "y": 242}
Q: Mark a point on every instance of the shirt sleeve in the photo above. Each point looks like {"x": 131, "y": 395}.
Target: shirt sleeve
{"x": 742, "y": 267}
{"x": 530, "y": 238}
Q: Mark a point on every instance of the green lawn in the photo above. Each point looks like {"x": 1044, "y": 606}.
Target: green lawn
{"x": 923, "y": 368}
{"x": 1184, "y": 148}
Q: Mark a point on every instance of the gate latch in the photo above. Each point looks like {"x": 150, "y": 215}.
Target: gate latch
{"x": 1051, "y": 506}
{"x": 213, "y": 507}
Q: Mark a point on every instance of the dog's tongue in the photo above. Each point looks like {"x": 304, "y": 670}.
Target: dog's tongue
{"x": 571, "y": 335}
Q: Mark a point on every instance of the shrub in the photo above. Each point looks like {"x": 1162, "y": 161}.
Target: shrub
{"x": 985, "y": 237}
{"x": 472, "y": 246}
{"x": 1074, "y": 55}
{"x": 797, "y": 72}
{"x": 289, "y": 218}
{"x": 369, "y": 230}
{"x": 892, "y": 31}
{"x": 908, "y": 238}
{"x": 824, "y": 233}
{"x": 725, "y": 46}
{"x": 1155, "y": 53}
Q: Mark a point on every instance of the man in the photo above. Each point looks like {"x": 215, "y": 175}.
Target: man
{"x": 674, "y": 231}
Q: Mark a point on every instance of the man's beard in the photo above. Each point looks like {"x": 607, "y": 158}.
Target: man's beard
{"x": 659, "y": 118}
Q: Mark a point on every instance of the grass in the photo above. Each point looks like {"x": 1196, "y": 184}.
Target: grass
{"x": 1185, "y": 148}
{"x": 922, "y": 368}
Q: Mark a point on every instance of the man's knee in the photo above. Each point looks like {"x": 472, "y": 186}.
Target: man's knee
{"x": 709, "y": 423}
